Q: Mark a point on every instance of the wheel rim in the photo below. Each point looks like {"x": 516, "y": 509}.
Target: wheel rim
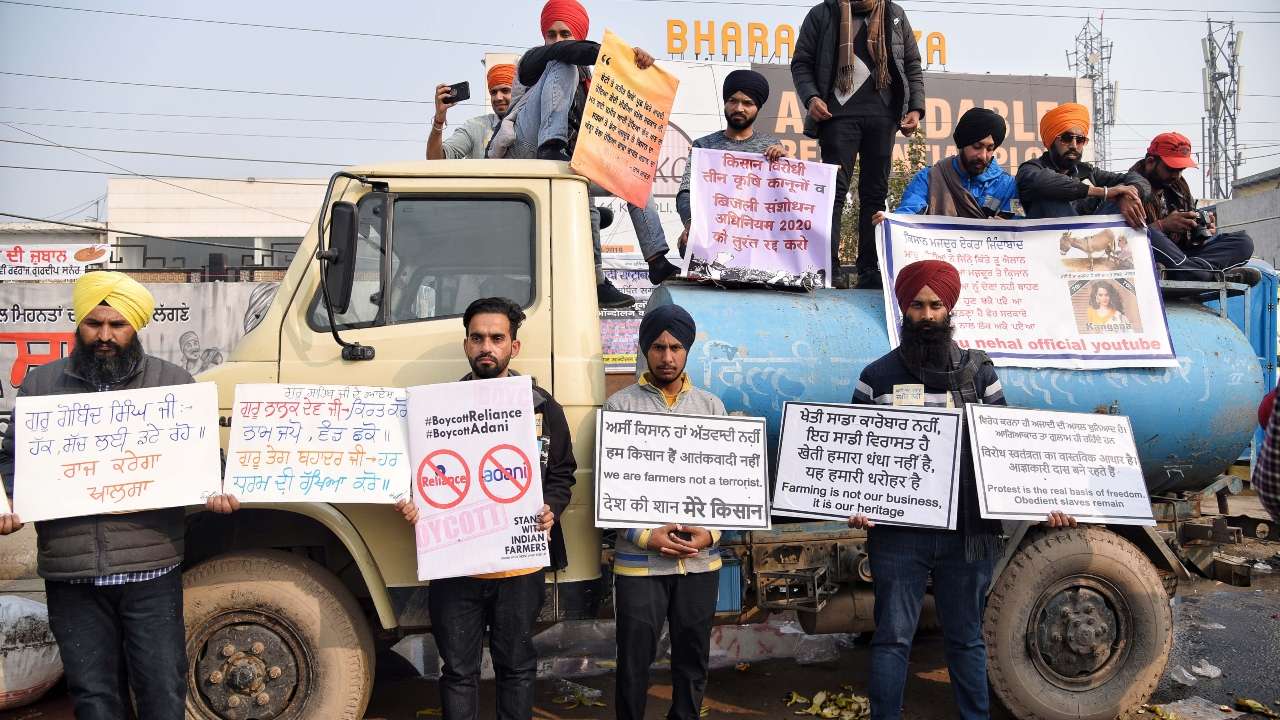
{"x": 1080, "y": 632}
{"x": 248, "y": 665}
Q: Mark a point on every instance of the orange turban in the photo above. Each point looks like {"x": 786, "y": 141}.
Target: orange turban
{"x": 1061, "y": 119}
{"x": 570, "y": 12}
{"x": 500, "y": 75}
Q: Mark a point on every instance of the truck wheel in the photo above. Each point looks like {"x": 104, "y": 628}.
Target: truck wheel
{"x": 274, "y": 635}
{"x": 1077, "y": 626}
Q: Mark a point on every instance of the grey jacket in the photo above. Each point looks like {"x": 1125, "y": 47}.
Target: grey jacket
{"x": 631, "y": 556}
{"x": 471, "y": 138}
{"x": 96, "y": 545}
{"x": 813, "y": 64}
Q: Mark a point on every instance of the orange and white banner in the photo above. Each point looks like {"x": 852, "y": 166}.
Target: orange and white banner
{"x": 48, "y": 262}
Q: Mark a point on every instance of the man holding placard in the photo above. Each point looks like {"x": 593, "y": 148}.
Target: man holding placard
{"x": 112, "y": 580}
{"x": 929, "y": 369}
{"x": 669, "y": 573}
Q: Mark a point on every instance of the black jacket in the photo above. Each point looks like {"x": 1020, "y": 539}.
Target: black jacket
{"x": 558, "y": 465}
{"x": 1047, "y": 192}
{"x": 813, "y": 64}
{"x": 582, "y": 53}
{"x": 96, "y": 545}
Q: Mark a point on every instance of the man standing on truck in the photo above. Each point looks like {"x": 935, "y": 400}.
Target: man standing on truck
{"x": 744, "y": 94}
{"x": 472, "y": 137}
{"x": 669, "y": 573}
{"x": 112, "y": 581}
{"x": 929, "y": 369}
{"x": 857, "y": 70}
{"x": 543, "y": 123}
{"x": 504, "y": 603}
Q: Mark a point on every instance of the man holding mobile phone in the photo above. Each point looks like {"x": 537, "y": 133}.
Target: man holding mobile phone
{"x": 471, "y": 138}
{"x": 670, "y": 573}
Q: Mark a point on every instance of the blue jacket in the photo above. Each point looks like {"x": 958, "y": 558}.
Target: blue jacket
{"x": 993, "y": 182}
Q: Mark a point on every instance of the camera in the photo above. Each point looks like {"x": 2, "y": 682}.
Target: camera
{"x": 1200, "y": 233}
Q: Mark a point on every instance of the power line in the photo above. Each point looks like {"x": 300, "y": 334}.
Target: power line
{"x": 106, "y": 228}
{"x": 251, "y": 181}
{"x": 214, "y": 133}
{"x": 166, "y": 154}
{"x": 987, "y": 12}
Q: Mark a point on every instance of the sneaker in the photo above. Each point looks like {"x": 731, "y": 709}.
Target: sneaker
{"x": 662, "y": 269}
{"x": 554, "y": 150}
{"x": 869, "y": 280}
{"x": 608, "y": 296}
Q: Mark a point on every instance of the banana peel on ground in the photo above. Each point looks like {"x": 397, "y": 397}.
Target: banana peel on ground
{"x": 576, "y": 700}
{"x": 832, "y": 706}
{"x": 1253, "y": 706}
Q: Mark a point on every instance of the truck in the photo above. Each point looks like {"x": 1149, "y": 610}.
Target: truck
{"x": 286, "y": 603}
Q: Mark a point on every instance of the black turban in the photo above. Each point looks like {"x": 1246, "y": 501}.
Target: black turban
{"x": 976, "y": 124}
{"x": 671, "y": 318}
{"x": 750, "y": 82}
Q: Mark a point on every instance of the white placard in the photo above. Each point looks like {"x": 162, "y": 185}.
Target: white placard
{"x": 477, "y": 479}
{"x": 657, "y": 468}
{"x": 318, "y": 443}
{"x": 41, "y": 261}
{"x": 1032, "y": 462}
{"x": 896, "y": 465}
{"x": 119, "y": 451}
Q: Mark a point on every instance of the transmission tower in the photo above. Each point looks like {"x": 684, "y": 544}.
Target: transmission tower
{"x": 1092, "y": 60}
{"x": 1221, "y": 159}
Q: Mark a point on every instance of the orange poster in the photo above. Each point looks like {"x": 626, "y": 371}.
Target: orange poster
{"x": 623, "y": 123}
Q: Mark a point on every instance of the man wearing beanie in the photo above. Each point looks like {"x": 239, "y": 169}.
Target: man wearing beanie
{"x": 112, "y": 581}
{"x": 744, "y": 94}
{"x": 551, "y": 92}
{"x": 471, "y": 138}
{"x": 857, "y": 70}
{"x": 670, "y": 573}
{"x": 929, "y": 367}
{"x": 967, "y": 184}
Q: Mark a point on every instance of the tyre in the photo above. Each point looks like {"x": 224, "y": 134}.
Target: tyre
{"x": 274, "y": 635}
{"x": 1078, "y": 626}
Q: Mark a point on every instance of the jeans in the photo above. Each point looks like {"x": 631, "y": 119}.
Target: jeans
{"x": 461, "y": 609}
{"x": 869, "y": 140}
{"x": 120, "y": 637}
{"x": 687, "y": 603}
{"x": 902, "y": 560}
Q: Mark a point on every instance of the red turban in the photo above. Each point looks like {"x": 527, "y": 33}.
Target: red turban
{"x": 939, "y": 276}
{"x": 1061, "y": 119}
{"x": 571, "y": 13}
{"x": 500, "y": 75}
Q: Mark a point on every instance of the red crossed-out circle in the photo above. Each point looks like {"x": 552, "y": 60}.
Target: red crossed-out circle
{"x": 448, "y": 493}
{"x": 491, "y": 459}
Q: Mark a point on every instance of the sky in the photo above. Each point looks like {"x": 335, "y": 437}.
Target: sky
{"x": 388, "y": 82}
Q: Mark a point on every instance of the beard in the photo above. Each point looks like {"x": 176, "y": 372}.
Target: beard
{"x": 487, "y": 372}
{"x": 976, "y": 167}
{"x": 1069, "y": 158}
{"x": 739, "y": 121}
{"x": 102, "y": 370}
{"x": 928, "y": 343}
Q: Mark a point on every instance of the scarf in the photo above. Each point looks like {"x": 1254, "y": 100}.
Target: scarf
{"x": 845, "y": 55}
{"x": 947, "y": 194}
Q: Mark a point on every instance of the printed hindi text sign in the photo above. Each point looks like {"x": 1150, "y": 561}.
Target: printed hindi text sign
{"x": 48, "y": 262}
{"x": 653, "y": 469}
{"x": 624, "y": 122}
{"x": 1032, "y": 462}
{"x": 478, "y": 477}
{"x": 318, "y": 443}
{"x": 896, "y": 465}
{"x": 1062, "y": 293}
{"x": 757, "y": 221}
{"x": 119, "y": 451}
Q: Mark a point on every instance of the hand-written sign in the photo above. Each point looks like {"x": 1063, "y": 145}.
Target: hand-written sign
{"x": 624, "y": 122}
{"x": 318, "y": 443}
{"x": 119, "y": 451}
{"x": 478, "y": 477}
{"x": 758, "y": 221}
{"x": 1032, "y": 462}
{"x": 896, "y": 465}
{"x": 653, "y": 469}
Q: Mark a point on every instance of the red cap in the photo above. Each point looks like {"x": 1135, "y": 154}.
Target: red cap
{"x": 1174, "y": 149}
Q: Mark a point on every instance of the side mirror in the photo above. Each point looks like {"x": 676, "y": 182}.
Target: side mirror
{"x": 338, "y": 261}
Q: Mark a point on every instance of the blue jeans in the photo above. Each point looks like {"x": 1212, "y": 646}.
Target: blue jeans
{"x": 902, "y": 560}
{"x": 120, "y": 637}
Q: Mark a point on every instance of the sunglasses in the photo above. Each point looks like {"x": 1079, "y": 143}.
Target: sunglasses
{"x": 1073, "y": 139}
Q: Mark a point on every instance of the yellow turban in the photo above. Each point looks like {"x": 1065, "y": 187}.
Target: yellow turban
{"x": 1061, "y": 119}
{"x": 119, "y": 291}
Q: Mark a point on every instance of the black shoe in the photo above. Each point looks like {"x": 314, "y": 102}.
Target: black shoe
{"x": 869, "y": 280}
{"x": 554, "y": 150}
{"x": 608, "y": 296}
{"x": 1246, "y": 274}
{"x": 661, "y": 269}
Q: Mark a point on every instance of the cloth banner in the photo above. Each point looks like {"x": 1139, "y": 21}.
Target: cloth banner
{"x": 624, "y": 122}
{"x": 620, "y": 327}
{"x": 1062, "y": 293}
{"x": 896, "y": 465}
{"x": 1031, "y": 462}
{"x": 48, "y": 261}
{"x": 653, "y": 469}
{"x": 119, "y": 451}
{"x": 318, "y": 443}
{"x": 757, "y": 221}
{"x": 478, "y": 478}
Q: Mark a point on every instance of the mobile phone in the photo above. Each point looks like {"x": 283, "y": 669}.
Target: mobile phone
{"x": 459, "y": 92}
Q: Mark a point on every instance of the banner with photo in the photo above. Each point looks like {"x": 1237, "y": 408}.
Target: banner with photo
{"x": 1072, "y": 293}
